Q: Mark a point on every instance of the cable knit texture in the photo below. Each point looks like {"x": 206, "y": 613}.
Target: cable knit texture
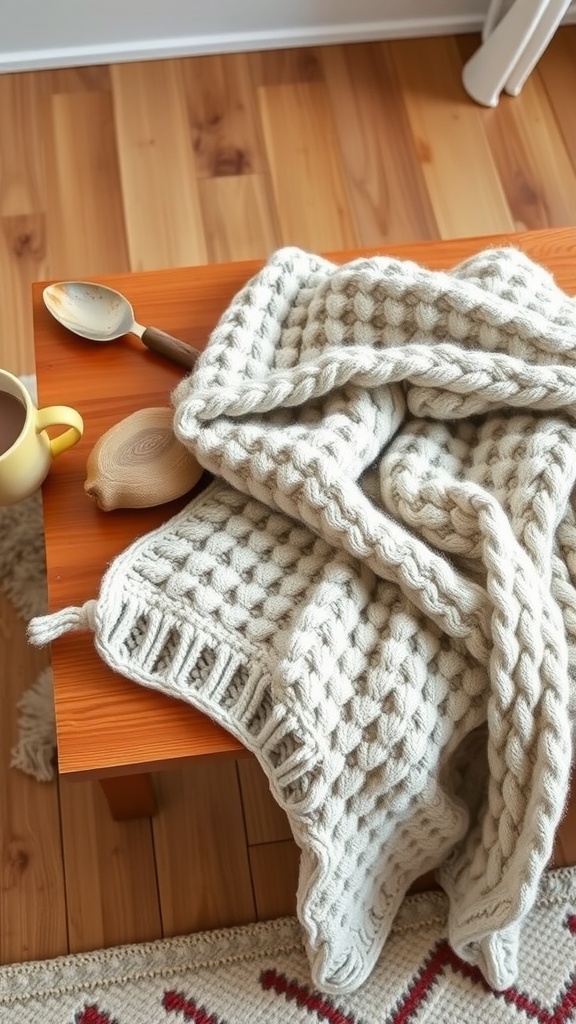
{"x": 377, "y": 593}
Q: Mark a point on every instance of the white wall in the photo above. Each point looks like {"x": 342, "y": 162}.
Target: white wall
{"x": 60, "y": 33}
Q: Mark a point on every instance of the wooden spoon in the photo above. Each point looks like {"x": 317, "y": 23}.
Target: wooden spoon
{"x": 99, "y": 313}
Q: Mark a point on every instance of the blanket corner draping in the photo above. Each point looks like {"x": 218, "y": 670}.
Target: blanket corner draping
{"x": 376, "y": 594}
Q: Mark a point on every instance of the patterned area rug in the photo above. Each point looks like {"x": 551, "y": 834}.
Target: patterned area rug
{"x": 258, "y": 974}
{"x": 23, "y": 580}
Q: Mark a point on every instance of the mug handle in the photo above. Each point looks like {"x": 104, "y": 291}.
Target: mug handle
{"x": 54, "y": 415}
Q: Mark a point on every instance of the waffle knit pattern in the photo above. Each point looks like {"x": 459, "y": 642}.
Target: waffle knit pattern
{"x": 376, "y": 595}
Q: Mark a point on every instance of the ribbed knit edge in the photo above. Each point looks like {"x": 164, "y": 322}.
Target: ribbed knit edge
{"x": 231, "y": 699}
{"x": 225, "y": 676}
{"x": 235, "y": 691}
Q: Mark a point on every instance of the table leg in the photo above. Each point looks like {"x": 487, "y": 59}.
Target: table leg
{"x": 129, "y": 796}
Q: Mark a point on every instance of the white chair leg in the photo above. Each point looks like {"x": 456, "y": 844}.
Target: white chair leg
{"x": 492, "y": 18}
{"x": 486, "y": 73}
{"x": 541, "y": 36}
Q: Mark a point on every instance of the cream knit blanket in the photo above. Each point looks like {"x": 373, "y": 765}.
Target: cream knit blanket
{"x": 377, "y": 593}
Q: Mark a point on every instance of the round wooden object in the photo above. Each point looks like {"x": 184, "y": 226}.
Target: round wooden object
{"x": 139, "y": 463}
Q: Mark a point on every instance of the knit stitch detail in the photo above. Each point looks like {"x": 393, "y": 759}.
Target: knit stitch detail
{"x": 271, "y": 614}
{"x": 347, "y": 347}
{"x": 377, "y": 595}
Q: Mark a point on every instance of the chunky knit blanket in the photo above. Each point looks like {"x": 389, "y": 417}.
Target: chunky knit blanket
{"x": 376, "y": 594}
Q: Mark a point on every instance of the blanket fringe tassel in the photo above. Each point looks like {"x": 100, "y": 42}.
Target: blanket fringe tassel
{"x": 45, "y": 628}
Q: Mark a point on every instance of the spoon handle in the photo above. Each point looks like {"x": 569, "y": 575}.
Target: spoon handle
{"x": 170, "y": 347}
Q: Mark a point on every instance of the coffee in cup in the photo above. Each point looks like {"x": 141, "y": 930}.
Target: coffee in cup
{"x": 26, "y": 450}
{"x": 12, "y": 420}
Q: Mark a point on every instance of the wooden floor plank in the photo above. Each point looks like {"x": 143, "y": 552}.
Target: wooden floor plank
{"x": 110, "y": 872}
{"x": 530, "y": 153}
{"x": 565, "y": 847}
{"x": 22, "y": 206}
{"x": 274, "y": 868}
{"x": 81, "y": 79}
{"x": 84, "y": 219}
{"x": 239, "y": 218}
{"x": 286, "y": 67}
{"x": 32, "y": 882}
{"x": 22, "y": 186}
{"x": 557, "y": 70}
{"x": 265, "y": 821}
{"x": 305, "y": 160}
{"x": 22, "y": 261}
{"x": 461, "y": 177}
{"x": 533, "y": 164}
{"x": 160, "y": 194}
{"x": 223, "y": 116}
{"x": 202, "y": 861}
{"x": 388, "y": 196}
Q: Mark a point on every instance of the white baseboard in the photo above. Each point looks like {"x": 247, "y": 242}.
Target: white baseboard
{"x": 236, "y": 42}
{"x": 396, "y": 19}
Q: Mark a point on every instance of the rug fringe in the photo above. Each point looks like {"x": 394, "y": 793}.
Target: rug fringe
{"x": 35, "y": 749}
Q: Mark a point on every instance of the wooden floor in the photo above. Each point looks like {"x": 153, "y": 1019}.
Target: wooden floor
{"x": 186, "y": 161}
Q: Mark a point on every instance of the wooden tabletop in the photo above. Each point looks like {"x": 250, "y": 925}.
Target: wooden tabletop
{"x": 106, "y": 724}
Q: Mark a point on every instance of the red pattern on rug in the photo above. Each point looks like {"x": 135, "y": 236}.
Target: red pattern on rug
{"x": 434, "y": 967}
{"x": 312, "y": 1001}
{"x": 92, "y": 1015}
{"x": 176, "y": 1002}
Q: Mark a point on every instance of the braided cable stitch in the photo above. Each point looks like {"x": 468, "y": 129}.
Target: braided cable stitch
{"x": 377, "y": 594}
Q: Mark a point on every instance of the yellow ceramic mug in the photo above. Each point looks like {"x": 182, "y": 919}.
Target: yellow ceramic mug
{"x": 26, "y": 451}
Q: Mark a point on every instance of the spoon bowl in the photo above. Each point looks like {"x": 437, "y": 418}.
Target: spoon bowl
{"x": 99, "y": 313}
{"x": 90, "y": 310}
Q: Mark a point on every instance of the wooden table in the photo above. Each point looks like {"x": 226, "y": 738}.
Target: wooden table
{"x": 108, "y": 727}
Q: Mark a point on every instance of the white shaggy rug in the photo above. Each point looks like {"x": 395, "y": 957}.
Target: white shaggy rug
{"x": 23, "y": 580}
